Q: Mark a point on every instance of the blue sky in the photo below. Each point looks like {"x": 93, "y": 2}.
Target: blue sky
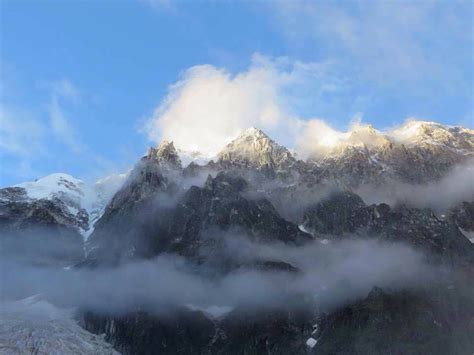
{"x": 87, "y": 86}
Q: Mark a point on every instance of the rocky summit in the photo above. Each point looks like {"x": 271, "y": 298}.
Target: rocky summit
{"x": 253, "y": 252}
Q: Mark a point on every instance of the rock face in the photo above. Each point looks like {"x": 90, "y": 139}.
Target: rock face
{"x": 185, "y": 332}
{"x": 342, "y": 212}
{"x": 193, "y": 221}
{"x": 165, "y": 154}
{"x": 437, "y": 321}
{"x": 345, "y": 213}
{"x": 254, "y": 149}
{"x": 463, "y": 215}
{"x": 191, "y": 332}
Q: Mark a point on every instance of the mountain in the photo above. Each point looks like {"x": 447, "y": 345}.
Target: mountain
{"x": 130, "y": 227}
{"x": 267, "y": 244}
{"x": 366, "y": 155}
{"x": 48, "y": 219}
{"x": 165, "y": 154}
{"x": 431, "y": 133}
{"x": 80, "y": 202}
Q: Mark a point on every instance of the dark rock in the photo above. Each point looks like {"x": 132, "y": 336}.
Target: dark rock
{"x": 140, "y": 225}
{"x": 432, "y": 321}
{"x": 463, "y": 215}
{"x": 183, "y": 332}
{"x": 191, "y": 332}
{"x": 344, "y": 214}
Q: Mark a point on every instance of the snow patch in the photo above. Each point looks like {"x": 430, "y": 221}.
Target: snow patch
{"x": 303, "y": 229}
{"x": 212, "y": 311}
{"x": 311, "y": 343}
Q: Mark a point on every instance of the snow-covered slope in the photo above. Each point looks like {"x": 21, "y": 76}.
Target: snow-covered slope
{"x": 74, "y": 192}
{"x": 35, "y": 326}
{"x": 83, "y": 201}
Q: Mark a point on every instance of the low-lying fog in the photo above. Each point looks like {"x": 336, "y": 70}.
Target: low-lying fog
{"x": 329, "y": 275}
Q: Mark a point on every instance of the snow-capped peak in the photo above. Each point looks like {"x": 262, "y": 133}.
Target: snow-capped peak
{"x": 366, "y": 135}
{"x": 326, "y": 142}
{"x": 54, "y": 185}
{"x": 416, "y": 132}
{"x": 165, "y": 153}
{"x": 254, "y": 138}
{"x": 254, "y": 147}
{"x": 253, "y": 132}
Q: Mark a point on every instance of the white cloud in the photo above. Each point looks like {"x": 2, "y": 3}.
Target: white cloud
{"x": 318, "y": 137}
{"x": 209, "y": 106}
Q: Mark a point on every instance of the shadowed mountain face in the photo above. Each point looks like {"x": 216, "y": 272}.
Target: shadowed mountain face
{"x": 344, "y": 215}
{"x": 296, "y": 229}
{"x": 435, "y": 321}
{"x": 156, "y": 221}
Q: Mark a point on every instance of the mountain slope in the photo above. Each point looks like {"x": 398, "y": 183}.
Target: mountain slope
{"x": 365, "y": 155}
{"x": 81, "y": 203}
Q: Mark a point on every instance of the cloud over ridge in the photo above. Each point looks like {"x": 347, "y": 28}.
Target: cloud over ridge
{"x": 209, "y": 106}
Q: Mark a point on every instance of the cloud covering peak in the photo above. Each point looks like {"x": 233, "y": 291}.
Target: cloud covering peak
{"x": 208, "y": 107}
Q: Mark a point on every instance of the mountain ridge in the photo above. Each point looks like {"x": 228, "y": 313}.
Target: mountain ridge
{"x": 259, "y": 217}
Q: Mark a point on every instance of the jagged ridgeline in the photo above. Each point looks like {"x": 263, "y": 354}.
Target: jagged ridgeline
{"x": 291, "y": 255}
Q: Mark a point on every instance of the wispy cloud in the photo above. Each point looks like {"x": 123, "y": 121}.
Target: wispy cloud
{"x": 60, "y": 124}
{"x": 28, "y": 138}
{"x": 20, "y": 133}
{"x": 389, "y": 42}
{"x": 160, "y": 4}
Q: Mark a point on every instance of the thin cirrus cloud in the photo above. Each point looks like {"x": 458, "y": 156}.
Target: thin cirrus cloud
{"x": 61, "y": 126}
{"x": 25, "y": 134}
{"x": 389, "y": 43}
{"x": 31, "y": 139}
